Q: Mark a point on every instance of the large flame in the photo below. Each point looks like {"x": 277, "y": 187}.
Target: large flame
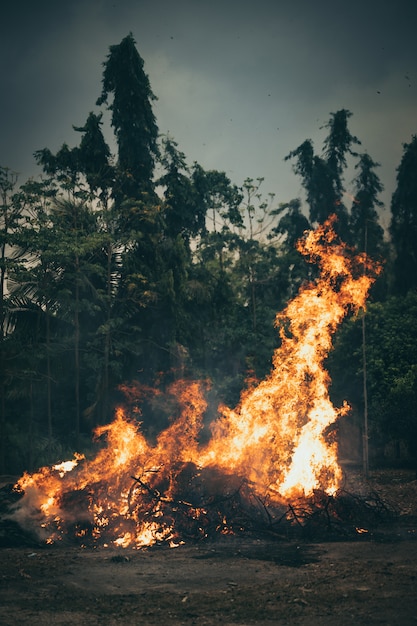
{"x": 277, "y": 438}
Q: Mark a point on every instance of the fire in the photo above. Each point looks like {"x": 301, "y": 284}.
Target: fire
{"x": 276, "y": 436}
{"x": 276, "y": 440}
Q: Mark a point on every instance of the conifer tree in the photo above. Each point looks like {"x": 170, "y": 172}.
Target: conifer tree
{"x": 403, "y": 226}
{"x": 367, "y": 233}
{"x": 322, "y": 176}
{"x": 132, "y": 118}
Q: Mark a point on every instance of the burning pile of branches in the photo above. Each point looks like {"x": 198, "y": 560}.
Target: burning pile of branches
{"x": 270, "y": 465}
{"x": 233, "y": 507}
{"x": 204, "y": 505}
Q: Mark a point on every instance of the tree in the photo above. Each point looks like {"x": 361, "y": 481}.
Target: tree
{"x": 94, "y": 157}
{"x": 258, "y": 268}
{"x": 10, "y": 217}
{"x": 290, "y": 228}
{"x": 33, "y": 300}
{"x": 9, "y": 220}
{"x": 403, "y": 226}
{"x": 337, "y": 145}
{"x": 237, "y": 283}
{"x": 95, "y": 162}
{"x": 184, "y": 208}
{"x": 367, "y": 234}
{"x": 292, "y": 225}
{"x": 132, "y": 118}
{"x": 391, "y": 373}
{"x": 322, "y": 176}
{"x": 74, "y": 227}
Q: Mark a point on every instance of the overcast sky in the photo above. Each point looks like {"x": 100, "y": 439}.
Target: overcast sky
{"x": 239, "y": 83}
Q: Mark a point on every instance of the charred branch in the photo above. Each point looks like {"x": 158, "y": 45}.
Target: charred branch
{"x": 202, "y": 507}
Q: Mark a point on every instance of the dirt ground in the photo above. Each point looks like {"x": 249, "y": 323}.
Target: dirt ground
{"x": 233, "y": 581}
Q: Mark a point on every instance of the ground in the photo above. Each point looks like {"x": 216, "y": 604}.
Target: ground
{"x": 233, "y": 581}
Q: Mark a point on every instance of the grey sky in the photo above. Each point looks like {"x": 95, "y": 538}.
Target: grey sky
{"x": 239, "y": 83}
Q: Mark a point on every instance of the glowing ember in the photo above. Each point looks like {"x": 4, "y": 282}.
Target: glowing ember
{"x": 276, "y": 440}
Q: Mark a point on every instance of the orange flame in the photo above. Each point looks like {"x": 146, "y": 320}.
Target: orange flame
{"x": 275, "y": 438}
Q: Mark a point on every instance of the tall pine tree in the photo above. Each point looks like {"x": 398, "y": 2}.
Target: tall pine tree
{"x": 322, "y": 176}
{"x": 132, "y": 118}
{"x": 367, "y": 233}
{"x": 403, "y": 226}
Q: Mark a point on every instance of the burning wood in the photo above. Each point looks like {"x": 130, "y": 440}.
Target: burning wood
{"x": 216, "y": 505}
{"x": 270, "y": 460}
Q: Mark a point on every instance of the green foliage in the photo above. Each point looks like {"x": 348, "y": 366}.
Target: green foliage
{"x": 115, "y": 273}
{"x": 94, "y": 155}
{"x": 322, "y": 176}
{"x": 190, "y": 193}
{"x": 184, "y": 208}
{"x": 391, "y": 348}
{"x": 132, "y": 117}
{"x": 337, "y": 145}
{"x": 403, "y": 226}
{"x": 11, "y": 216}
{"x": 367, "y": 233}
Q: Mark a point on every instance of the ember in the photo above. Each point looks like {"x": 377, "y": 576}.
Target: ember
{"x": 269, "y": 459}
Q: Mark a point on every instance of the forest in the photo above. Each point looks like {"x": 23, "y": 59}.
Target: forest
{"x": 122, "y": 272}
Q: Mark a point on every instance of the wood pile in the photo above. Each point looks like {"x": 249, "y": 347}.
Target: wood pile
{"x": 202, "y": 504}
